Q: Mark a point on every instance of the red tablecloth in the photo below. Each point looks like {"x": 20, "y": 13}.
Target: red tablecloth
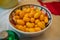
{"x": 54, "y": 7}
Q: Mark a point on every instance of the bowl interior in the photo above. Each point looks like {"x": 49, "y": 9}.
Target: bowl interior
{"x": 35, "y": 6}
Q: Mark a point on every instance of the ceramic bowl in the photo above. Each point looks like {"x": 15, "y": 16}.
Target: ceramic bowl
{"x": 31, "y": 34}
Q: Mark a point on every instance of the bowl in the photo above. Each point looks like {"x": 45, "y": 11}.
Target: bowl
{"x": 31, "y": 34}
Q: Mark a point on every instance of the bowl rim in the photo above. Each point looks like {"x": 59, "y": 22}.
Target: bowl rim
{"x": 30, "y": 32}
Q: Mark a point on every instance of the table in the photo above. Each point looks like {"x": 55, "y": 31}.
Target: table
{"x": 53, "y": 33}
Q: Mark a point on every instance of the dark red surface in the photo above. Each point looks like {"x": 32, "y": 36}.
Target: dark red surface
{"x": 54, "y": 7}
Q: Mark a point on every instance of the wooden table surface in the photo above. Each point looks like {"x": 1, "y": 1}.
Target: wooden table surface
{"x": 53, "y": 33}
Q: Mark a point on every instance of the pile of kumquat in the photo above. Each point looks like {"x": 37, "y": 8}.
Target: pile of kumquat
{"x": 29, "y": 19}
